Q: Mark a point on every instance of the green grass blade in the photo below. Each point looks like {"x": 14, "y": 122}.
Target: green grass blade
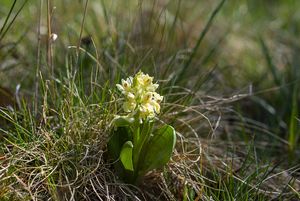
{"x": 183, "y": 71}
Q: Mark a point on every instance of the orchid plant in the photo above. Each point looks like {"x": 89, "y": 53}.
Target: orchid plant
{"x": 134, "y": 141}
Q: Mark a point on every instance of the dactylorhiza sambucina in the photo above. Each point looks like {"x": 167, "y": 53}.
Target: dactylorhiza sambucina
{"x": 141, "y": 100}
{"x": 136, "y": 142}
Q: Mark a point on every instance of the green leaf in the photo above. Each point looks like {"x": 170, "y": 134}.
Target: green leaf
{"x": 159, "y": 149}
{"x": 116, "y": 141}
{"x": 142, "y": 139}
{"x": 123, "y": 121}
{"x": 126, "y": 155}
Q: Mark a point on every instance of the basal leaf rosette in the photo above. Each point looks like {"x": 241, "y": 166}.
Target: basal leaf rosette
{"x": 140, "y": 99}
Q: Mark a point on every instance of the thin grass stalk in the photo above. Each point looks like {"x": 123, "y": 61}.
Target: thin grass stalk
{"x": 6, "y": 19}
{"x": 293, "y": 132}
{"x": 49, "y": 41}
{"x": 203, "y": 33}
{"x": 81, "y": 28}
{"x": 12, "y": 21}
{"x": 38, "y": 59}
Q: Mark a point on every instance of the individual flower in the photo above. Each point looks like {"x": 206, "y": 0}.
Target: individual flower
{"x": 126, "y": 85}
{"x": 141, "y": 100}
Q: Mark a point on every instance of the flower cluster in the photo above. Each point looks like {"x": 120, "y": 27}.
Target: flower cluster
{"x": 141, "y": 100}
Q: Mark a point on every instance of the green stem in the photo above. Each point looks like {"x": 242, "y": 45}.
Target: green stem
{"x": 142, "y": 134}
{"x": 136, "y": 138}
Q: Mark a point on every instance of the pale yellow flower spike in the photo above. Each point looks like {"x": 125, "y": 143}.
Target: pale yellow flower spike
{"x": 141, "y": 100}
